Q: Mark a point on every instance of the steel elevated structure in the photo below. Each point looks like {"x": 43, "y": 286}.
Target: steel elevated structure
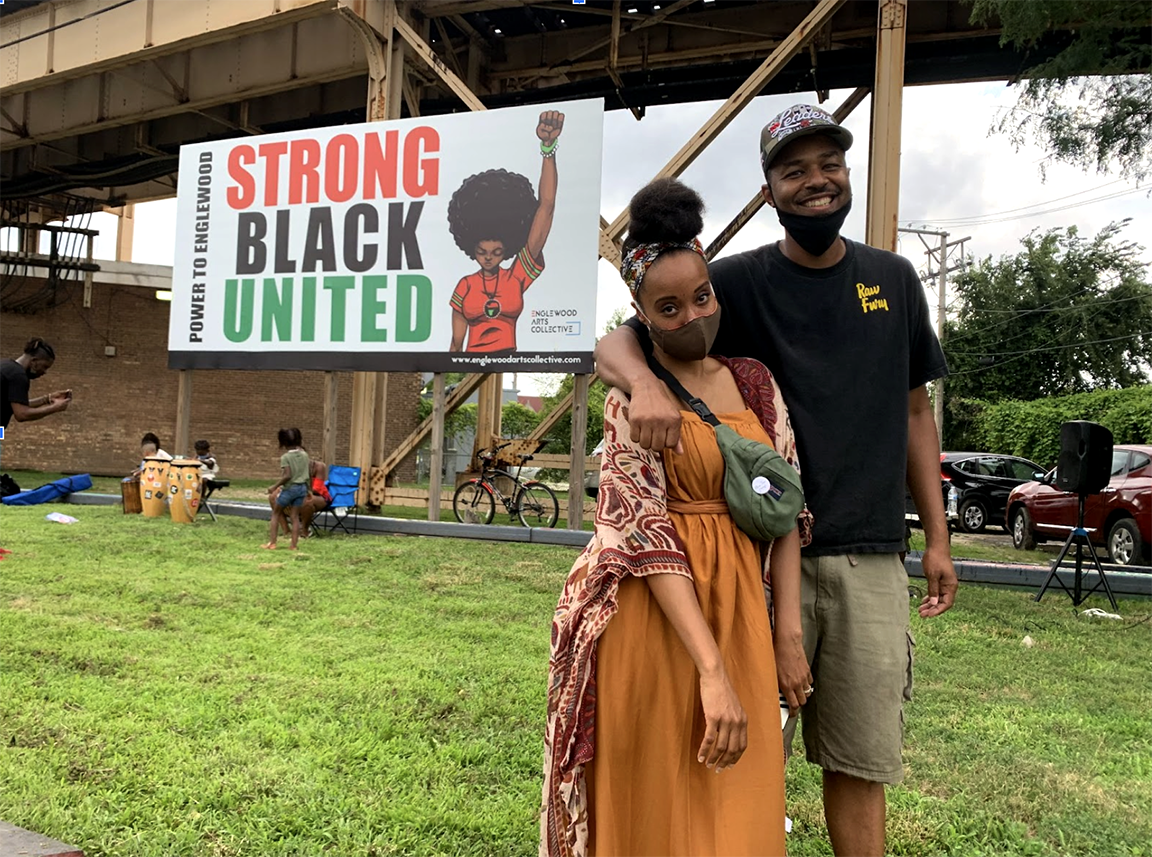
{"x": 97, "y": 96}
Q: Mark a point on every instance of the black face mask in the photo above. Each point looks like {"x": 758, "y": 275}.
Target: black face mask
{"x": 815, "y": 233}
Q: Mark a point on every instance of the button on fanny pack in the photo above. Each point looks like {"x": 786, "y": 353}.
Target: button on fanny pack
{"x": 762, "y": 490}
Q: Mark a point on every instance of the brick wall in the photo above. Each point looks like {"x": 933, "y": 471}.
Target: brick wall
{"x": 118, "y": 399}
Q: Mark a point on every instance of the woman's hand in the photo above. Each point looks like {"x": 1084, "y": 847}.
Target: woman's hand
{"x": 726, "y": 724}
{"x": 550, "y": 125}
{"x": 792, "y": 672}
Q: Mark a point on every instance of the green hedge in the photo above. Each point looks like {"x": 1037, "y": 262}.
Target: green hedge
{"x": 1032, "y": 429}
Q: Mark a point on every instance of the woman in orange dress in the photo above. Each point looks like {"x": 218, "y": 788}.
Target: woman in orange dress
{"x": 666, "y": 671}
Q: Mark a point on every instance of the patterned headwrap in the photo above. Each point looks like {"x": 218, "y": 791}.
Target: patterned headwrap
{"x": 635, "y": 264}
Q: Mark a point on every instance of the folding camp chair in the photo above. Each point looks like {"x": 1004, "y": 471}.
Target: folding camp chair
{"x": 210, "y": 487}
{"x": 343, "y": 483}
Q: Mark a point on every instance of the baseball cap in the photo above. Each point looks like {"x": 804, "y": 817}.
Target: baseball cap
{"x": 799, "y": 120}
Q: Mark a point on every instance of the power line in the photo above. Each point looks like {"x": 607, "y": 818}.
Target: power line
{"x": 1050, "y": 328}
{"x": 993, "y": 219}
{"x": 1023, "y": 207}
{"x": 995, "y": 325}
{"x": 1016, "y": 355}
{"x": 1054, "y": 309}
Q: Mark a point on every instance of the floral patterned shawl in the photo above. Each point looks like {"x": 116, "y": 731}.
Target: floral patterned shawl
{"x": 633, "y": 536}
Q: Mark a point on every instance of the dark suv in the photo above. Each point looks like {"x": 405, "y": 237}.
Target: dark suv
{"x": 981, "y": 483}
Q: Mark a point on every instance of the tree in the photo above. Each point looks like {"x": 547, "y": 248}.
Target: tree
{"x": 1090, "y": 103}
{"x": 618, "y": 317}
{"x": 461, "y": 420}
{"x": 517, "y": 420}
{"x": 560, "y": 437}
{"x": 1064, "y": 315}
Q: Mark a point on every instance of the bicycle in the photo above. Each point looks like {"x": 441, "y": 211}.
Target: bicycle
{"x": 534, "y": 503}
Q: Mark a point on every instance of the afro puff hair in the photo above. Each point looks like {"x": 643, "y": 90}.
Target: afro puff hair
{"x": 666, "y": 211}
{"x": 494, "y": 205}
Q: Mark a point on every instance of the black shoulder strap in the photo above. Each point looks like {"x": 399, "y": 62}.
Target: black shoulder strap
{"x": 697, "y": 405}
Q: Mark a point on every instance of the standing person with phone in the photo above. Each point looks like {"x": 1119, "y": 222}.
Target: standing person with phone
{"x": 16, "y": 377}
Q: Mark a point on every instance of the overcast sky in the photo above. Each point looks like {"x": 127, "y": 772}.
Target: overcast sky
{"x": 955, "y": 176}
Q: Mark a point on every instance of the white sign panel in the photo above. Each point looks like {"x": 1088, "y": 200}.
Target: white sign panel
{"x": 464, "y": 243}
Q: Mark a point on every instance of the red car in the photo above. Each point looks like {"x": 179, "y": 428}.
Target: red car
{"x": 1119, "y": 518}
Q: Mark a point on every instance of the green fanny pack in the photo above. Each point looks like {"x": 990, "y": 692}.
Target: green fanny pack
{"x": 762, "y": 490}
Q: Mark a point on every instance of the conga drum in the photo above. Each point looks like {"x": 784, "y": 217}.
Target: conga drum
{"x": 184, "y": 489}
{"x": 130, "y": 494}
{"x": 154, "y": 487}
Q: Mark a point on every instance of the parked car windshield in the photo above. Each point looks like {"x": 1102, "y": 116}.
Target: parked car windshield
{"x": 1119, "y": 462}
{"x": 978, "y": 466}
{"x": 1023, "y": 469}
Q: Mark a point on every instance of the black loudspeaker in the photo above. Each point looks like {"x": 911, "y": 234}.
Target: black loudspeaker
{"x": 1085, "y": 463}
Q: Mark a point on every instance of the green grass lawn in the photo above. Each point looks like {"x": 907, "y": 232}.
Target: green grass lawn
{"x": 175, "y": 690}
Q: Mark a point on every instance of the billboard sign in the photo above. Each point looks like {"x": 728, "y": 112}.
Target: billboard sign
{"x": 464, "y": 243}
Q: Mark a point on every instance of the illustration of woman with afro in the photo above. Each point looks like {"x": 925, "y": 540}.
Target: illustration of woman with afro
{"x": 495, "y": 216}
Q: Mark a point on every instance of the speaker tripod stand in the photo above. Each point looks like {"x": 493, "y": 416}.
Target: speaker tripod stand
{"x": 1078, "y": 537}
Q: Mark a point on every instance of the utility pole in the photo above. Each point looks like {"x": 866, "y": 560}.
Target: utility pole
{"x": 941, "y": 313}
{"x": 940, "y": 254}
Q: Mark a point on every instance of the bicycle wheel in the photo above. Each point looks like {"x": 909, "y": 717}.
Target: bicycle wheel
{"x": 536, "y": 505}
{"x": 473, "y": 503}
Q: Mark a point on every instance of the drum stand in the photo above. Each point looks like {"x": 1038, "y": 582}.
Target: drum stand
{"x": 1078, "y": 537}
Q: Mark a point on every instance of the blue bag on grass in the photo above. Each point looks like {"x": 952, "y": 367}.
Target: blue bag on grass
{"x": 51, "y": 491}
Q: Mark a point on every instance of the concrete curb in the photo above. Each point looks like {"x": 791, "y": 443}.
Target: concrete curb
{"x": 375, "y": 525}
{"x": 1130, "y": 581}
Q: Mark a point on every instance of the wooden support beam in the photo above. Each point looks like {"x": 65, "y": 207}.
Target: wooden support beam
{"x": 331, "y": 398}
{"x": 436, "y": 473}
{"x": 487, "y": 414}
{"x": 748, "y": 90}
{"x": 579, "y": 441}
{"x": 363, "y": 421}
{"x": 609, "y": 247}
{"x": 125, "y": 230}
{"x": 562, "y": 407}
{"x": 183, "y": 442}
{"x": 380, "y": 417}
{"x": 497, "y": 392}
{"x": 757, "y": 202}
{"x": 459, "y": 396}
{"x": 884, "y": 148}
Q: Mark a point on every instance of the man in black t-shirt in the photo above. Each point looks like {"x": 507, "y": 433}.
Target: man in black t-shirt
{"x": 846, "y": 331}
{"x": 16, "y": 377}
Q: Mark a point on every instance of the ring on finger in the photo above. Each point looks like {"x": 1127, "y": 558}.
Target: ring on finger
{"x": 808, "y": 690}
